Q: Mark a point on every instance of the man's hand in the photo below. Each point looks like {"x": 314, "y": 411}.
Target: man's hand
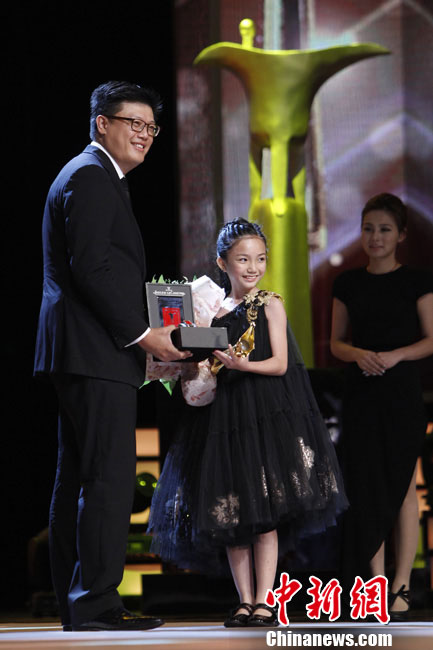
{"x": 158, "y": 342}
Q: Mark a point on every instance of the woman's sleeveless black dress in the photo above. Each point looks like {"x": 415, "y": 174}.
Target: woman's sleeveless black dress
{"x": 384, "y": 420}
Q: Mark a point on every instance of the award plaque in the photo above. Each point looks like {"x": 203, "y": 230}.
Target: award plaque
{"x": 169, "y": 304}
{"x": 172, "y": 304}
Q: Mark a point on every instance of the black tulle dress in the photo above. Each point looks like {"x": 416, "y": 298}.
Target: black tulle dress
{"x": 258, "y": 458}
{"x": 384, "y": 419}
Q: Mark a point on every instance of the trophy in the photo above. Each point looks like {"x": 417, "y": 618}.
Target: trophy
{"x": 172, "y": 304}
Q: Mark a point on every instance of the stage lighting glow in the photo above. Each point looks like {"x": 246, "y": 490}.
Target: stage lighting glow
{"x": 320, "y": 41}
{"x": 336, "y": 259}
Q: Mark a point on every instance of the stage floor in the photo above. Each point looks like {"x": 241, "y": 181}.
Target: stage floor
{"x": 213, "y": 636}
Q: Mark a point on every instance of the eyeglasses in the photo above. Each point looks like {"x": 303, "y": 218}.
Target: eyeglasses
{"x": 138, "y": 125}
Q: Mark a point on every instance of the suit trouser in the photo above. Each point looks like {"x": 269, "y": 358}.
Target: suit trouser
{"x": 93, "y": 494}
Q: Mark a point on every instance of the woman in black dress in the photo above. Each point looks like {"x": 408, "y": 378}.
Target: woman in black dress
{"x": 388, "y": 309}
{"x": 256, "y": 460}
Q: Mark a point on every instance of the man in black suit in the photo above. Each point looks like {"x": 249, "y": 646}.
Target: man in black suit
{"x": 92, "y": 338}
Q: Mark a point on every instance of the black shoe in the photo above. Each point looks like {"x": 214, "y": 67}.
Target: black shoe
{"x": 239, "y": 620}
{"x": 402, "y": 615}
{"x": 118, "y": 618}
{"x": 67, "y": 628}
{"x": 262, "y": 620}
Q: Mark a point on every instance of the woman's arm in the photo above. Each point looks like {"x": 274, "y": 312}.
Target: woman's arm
{"x": 420, "y": 349}
{"x": 367, "y": 360}
{"x": 277, "y": 363}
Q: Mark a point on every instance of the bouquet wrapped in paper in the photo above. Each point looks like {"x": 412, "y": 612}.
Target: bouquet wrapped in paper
{"x": 207, "y": 299}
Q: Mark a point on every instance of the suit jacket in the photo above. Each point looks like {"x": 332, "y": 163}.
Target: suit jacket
{"x": 94, "y": 272}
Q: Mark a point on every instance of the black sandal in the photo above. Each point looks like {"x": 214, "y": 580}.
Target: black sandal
{"x": 261, "y": 620}
{"x": 239, "y": 620}
{"x": 399, "y": 616}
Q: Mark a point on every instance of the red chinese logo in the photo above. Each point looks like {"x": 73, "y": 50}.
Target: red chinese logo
{"x": 284, "y": 594}
{"x": 370, "y": 598}
{"x": 326, "y": 600}
{"x": 366, "y": 598}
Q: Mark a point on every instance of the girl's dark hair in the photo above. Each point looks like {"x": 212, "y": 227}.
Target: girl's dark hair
{"x": 228, "y": 235}
{"x": 388, "y": 203}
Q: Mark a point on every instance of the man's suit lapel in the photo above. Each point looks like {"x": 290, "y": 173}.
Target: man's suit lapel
{"x": 108, "y": 166}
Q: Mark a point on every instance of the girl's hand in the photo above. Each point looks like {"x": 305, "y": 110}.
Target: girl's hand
{"x": 390, "y": 359}
{"x": 230, "y": 360}
{"x": 370, "y": 362}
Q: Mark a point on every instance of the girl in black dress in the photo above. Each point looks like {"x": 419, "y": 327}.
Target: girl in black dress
{"x": 389, "y": 311}
{"x": 256, "y": 459}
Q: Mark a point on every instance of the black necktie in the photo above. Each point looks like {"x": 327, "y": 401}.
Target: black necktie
{"x": 125, "y": 186}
